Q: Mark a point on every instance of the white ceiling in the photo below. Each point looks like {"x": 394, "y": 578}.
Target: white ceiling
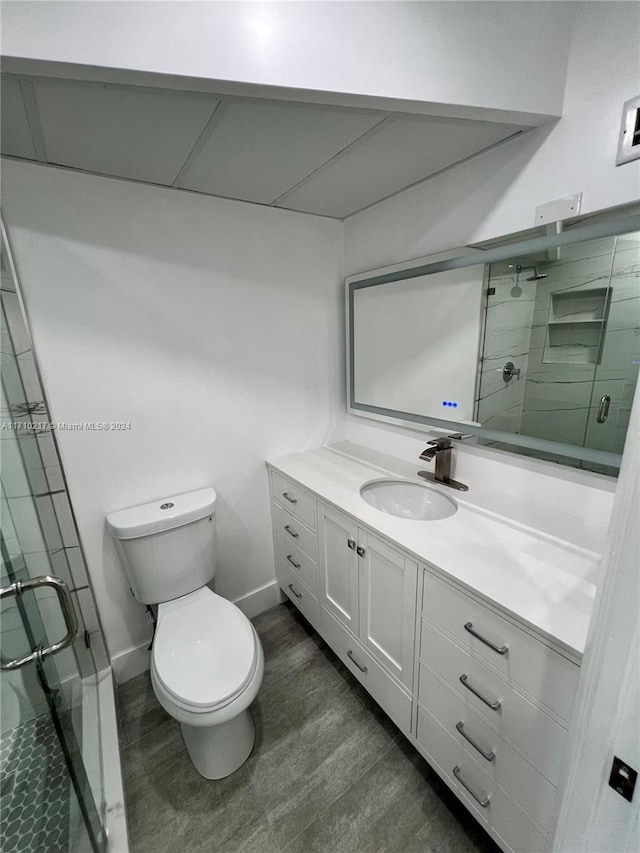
{"x": 316, "y": 159}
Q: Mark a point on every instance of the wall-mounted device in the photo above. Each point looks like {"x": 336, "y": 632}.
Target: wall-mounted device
{"x": 629, "y": 142}
{"x": 623, "y": 778}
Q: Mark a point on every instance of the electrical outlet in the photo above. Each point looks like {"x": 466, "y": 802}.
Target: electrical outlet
{"x": 623, "y": 778}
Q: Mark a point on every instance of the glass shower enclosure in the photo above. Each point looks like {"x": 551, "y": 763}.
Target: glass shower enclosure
{"x": 51, "y": 643}
{"x": 561, "y": 346}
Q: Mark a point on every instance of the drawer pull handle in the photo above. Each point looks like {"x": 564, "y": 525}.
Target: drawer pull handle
{"x": 291, "y": 532}
{"x": 352, "y": 544}
{"x": 482, "y": 800}
{"x": 464, "y": 679}
{"x": 359, "y": 665}
{"x": 501, "y": 650}
{"x": 360, "y": 551}
{"x": 297, "y": 594}
{"x": 293, "y": 562}
{"x": 288, "y": 497}
{"x": 488, "y": 755}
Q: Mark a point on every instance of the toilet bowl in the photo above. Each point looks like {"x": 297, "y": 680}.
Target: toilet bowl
{"x": 207, "y": 662}
{"x": 206, "y": 669}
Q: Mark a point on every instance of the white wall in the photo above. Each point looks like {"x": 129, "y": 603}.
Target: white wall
{"x": 497, "y": 193}
{"x": 213, "y": 326}
{"x": 440, "y": 52}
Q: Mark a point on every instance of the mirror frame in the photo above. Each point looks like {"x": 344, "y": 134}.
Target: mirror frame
{"x": 605, "y": 223}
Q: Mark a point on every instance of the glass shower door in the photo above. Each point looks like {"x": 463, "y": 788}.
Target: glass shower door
{"x": 50, "y": 762}
{"x": 617, "y": 371}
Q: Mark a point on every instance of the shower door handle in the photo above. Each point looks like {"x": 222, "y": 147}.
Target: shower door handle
{"x": 603, "y": 409}
{"x": 68, "y": 611}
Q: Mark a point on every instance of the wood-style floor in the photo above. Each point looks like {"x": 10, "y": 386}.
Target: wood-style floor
{"x": 329, "y": 772}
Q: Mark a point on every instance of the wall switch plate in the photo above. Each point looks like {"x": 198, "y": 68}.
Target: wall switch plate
{"x": 623, "y": 778}
{"x": 629, "y": 141}
{"x": 558, "y": 209}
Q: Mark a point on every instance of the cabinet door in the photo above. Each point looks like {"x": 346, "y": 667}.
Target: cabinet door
{"x": 388, "y": 582}
{"x": 339, "y": 566}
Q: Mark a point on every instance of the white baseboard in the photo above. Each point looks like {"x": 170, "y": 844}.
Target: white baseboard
{"x": 113, "y": 792}
{"x": 258, "y": 600}
{"x": 132, "y": 662}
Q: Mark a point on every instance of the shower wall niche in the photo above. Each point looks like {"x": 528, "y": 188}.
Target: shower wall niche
{"x": 575, "y": 329}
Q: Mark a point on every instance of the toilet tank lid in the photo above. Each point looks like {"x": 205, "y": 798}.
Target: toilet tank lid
{"x": 164, "y": 514}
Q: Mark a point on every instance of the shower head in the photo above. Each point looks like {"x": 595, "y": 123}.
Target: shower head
{"x": 536, "y": 275}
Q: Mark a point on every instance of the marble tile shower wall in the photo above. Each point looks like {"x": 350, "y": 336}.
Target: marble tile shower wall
{"x": 38, "y": 532}
{"x": 575, "y": 336}
{"x": 580, "y": 352}
{"x": 507, "y": 338}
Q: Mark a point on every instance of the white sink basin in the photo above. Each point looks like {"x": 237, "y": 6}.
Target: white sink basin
{"x": 406, "y": 499}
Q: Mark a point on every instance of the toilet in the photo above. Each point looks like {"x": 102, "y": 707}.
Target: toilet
{"x": 207, "y": 661}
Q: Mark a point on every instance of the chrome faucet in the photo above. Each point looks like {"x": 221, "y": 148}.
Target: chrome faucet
{"x": 441, "y": 450}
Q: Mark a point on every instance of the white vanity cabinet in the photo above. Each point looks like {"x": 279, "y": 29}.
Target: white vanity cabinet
{"x": 492, "y": 711}
{"x": 293, "y": 519}
{"x": 481, "y": 695}
{"x": 339, "y": 566}
{"x": 369, "y": 587}
{"x": 355, "y": 589}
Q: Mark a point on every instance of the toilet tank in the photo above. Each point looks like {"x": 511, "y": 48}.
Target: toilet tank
{"x": 168, "y": 545}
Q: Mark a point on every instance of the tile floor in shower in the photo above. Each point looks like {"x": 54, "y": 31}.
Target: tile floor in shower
{"x": 329, "y": 772}
{"x": 35, "y": 796}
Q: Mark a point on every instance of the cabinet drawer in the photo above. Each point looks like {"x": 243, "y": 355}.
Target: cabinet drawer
{"x": 290, "y": 530}
{"x": 504, "y": 815}
{"x": 294, "y": 499}
{"x": 299, "y": 594}
{"x": 391, "y": 697}
{"x": 297, "y": 562}
{"x": 516, "y": 775}
{"x": 542, "y": 672}
{"x": 523, "y": 725}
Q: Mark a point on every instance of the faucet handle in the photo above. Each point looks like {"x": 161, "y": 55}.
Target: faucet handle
{"x": 443, "y": 443}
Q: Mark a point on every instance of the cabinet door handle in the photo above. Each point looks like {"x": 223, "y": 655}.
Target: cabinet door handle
{"x": 360, "y": 551}
{"x": 291, "y": 532}
{"x": 359, "y": 665}
{"x": 501, "y": 650}
{"x": 494, "y": 705}
{"x": 481, "y": 799}
{"x": 288, "y": 497}
{"x": 488, "y": 755}
{"x": 352, "y": 544}
{"x": 293, "y": 562}
{"x": 297, "y": 594}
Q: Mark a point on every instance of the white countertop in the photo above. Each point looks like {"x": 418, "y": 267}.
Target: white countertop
{"x": 541, "y": 580}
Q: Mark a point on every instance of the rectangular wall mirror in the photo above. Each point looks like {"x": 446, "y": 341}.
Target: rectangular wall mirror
{"x": 529, "y": 344}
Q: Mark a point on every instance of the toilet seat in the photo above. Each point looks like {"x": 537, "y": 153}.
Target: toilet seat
{"x": 205, "y": 652}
